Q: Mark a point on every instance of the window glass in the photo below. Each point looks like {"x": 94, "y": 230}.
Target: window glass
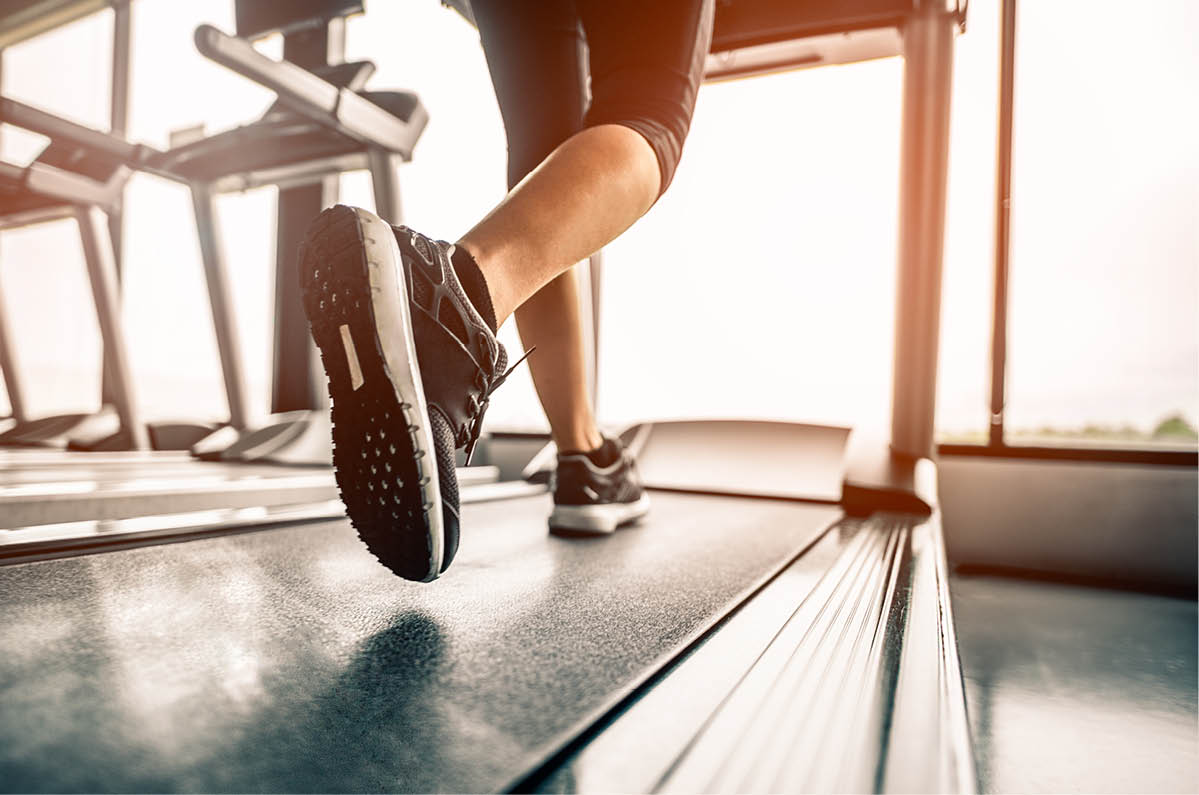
{"x": 167, "y": 313}
{"x": 55, "y": 337}
{"x": 963, "y": 388}
{"x": 65, "y": 71}
{"x": 761, "y": 285}
{"x": 1104, "y": 346}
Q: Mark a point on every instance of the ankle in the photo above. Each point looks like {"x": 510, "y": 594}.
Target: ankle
{"x": 474, "y": 283}
{"x": 493, "y": 260}
{"x": 582, "y": 440}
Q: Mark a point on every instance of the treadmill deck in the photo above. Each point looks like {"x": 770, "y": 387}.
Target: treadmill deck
{"x": 289, "y": 660}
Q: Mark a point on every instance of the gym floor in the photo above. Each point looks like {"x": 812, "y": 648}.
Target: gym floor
{"x": 1074, "y": 689}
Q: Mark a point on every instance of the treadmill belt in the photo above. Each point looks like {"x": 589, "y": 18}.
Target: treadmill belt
{"x": 289, "y": 660}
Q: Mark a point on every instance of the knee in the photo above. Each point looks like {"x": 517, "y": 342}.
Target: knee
{"x": 659, "y": 113}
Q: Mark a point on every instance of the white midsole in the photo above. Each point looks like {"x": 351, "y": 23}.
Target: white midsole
{"x": 601, "y": 518}
{"x": 393, "y": 324}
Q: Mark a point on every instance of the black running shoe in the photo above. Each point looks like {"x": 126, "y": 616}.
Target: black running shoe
{"x": 411, "y": 365}
{"x": 594, "y": 499}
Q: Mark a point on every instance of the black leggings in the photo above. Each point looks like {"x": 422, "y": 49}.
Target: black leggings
{"x": 645, "y": 59}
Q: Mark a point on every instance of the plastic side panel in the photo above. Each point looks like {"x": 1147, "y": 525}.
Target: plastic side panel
{"x": 762, "y": 459}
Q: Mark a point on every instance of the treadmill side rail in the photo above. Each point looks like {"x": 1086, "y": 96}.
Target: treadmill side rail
{"x": 841, "y": 675}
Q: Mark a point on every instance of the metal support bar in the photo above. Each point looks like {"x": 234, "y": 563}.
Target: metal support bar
{"x": 385, "y": 180}
{"x": 1003, "y": 216}
{"x": 24, "y": 20}
{"x": 119, "y": 109}
{"x": 39, "y": 215}
{"x": 39, "y": 121}
{"x": 69, "y": 187}
{"x": 101, "y": 268}
{"x": 301, "y": 90}
{"x": 595, "y": 271}
{"x": 8, "y": 366}
{"x": 118, "y": 124}
{"x": 928, "y": 75}
{"x": 8, "y": 361}
{"x": 220, "y": 298}
{"x": 298, "y": 381}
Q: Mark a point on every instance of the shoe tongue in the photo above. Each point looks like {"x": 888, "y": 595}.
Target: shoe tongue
{"x": 501, "y": 360}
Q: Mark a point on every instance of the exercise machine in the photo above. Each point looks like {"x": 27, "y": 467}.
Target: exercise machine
{"x": 323, "y": 123}
{"x": 80, "y": 175}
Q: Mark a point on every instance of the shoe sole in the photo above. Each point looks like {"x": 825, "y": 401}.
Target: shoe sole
{"x": 598, "y": 519}
{"x": 356, "y": 301}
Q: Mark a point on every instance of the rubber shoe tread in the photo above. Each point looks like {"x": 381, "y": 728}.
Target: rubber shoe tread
{"x": 386, "y": 477}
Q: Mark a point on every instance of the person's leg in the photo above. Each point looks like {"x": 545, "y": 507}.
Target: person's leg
{"x": 551, "y": 321}
{"x": 406, "y": 324}
{"x": 588, "y": 191}
{"x": 537, "y": 60}
{"x": 588, "y": 187}
{"x": 646, "y": 64}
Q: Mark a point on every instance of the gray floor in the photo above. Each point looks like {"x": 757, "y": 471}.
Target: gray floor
{"x": 1074, "y": 689}
{"x": 289, "y": 660}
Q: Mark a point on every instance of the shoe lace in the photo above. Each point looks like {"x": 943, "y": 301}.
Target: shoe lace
{"x": 470, "y": 433}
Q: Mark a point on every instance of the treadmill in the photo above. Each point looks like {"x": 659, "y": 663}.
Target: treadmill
{"x": 779, "y": 622}
{"x": 80, "y": 174}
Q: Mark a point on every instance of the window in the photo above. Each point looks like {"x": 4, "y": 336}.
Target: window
{"x": 1103, "y": 332}
{"x": 762, "y": 284}
{"x": 167, "y": 314}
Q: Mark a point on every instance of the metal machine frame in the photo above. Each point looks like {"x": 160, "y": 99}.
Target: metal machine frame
{"x": 88, "y": 200}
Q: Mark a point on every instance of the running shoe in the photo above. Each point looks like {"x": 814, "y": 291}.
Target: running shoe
{"x": 411, "y": 365}
{"x": 594, "y": 499}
